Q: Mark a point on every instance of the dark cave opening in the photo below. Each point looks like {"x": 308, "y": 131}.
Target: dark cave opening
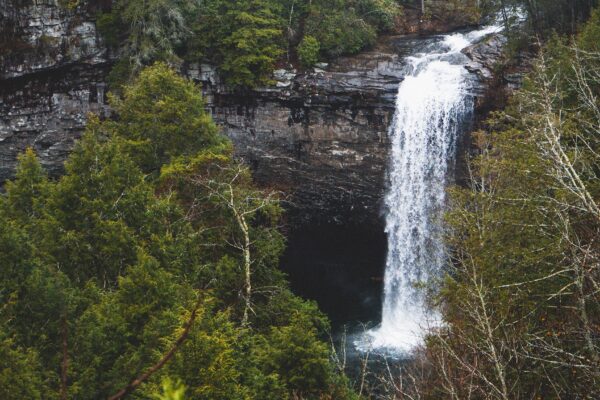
{"x": 340, "y": 267}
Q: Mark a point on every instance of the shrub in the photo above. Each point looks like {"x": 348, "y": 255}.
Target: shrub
{"x": 340, "y": 32}
{"x": 308, "y": 51}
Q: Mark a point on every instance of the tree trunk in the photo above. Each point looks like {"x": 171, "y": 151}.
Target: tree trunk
{"x": 64, "y": 366}
{"x": 247, "y": 267}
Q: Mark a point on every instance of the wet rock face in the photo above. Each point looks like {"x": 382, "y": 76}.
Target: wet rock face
{"x": 52, "y": 72}
{"x": 485, "y": 55}
{"x": 487, "y": 63}
{"x": 38, "y": 35}
{"x": 47, "y": 111}
{"x": 320, "y": 136}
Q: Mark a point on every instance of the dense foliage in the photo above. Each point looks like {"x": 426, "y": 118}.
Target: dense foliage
{"x": 247, "y": 39}
{"x": 151, "y": 268}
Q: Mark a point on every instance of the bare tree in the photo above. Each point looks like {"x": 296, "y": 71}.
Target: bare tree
{"x": 548, "y": 130}
{"x": 232, "y": 189}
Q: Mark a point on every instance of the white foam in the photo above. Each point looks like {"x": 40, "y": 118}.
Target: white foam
{"x": 430, "y": 106}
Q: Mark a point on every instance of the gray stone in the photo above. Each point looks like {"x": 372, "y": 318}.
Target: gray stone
{"x": 487, "y": 60}
{"x": 320, "y": 136}
{"x": 49, "y": 36}
{"x": 485, "y": 56}
{"x": 51, "y": 78}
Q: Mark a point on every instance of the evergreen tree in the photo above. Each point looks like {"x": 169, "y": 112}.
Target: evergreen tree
{"x": 112, "y": 282}
{"x": 254, "y": 43}
{"x": 162, "y": 115}
{"x": 150, "y": 30}
{"x": 29, "y": 188}
{"x": 338, "y": 28}
{"x": 20, "y": 372}
{"x": 244, "y": 38}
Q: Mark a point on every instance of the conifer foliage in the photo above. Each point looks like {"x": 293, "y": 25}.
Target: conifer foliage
{"x": 150, "y": 268}
{"x": 245, "y": 39}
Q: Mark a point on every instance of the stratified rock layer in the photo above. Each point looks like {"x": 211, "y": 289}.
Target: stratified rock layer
{"x": 52, "y": 72}
{"x": 321, "y": 135}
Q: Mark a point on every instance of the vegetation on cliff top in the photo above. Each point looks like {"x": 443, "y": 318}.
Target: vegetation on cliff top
{"x": 245, "y": 38}
{"x": 248, "y": 39}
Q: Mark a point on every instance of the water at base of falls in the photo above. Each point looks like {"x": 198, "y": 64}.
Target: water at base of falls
{"x": 432, "y": 105}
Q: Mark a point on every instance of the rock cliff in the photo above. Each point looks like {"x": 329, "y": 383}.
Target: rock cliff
{"x": 320, "y": 135}
{"x": 52, "y": 71}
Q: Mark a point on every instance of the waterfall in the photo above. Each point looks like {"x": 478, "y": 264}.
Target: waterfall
{"x": 433, "y": 102}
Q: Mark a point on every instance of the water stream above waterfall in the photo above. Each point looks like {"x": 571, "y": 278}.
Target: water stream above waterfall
{"x": 433, "y": 106}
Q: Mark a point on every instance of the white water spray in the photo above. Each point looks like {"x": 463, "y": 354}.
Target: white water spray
{"x": 432, "y": 104}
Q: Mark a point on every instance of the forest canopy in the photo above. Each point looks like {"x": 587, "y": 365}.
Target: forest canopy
{"x": 248, "y": 39}
{"x": 245, "y": 38}
{"x": 151, "y": 266}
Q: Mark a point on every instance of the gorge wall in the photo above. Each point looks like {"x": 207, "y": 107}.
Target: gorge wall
{"x": 52, "y": 72}
{"x": 321, "y": 136}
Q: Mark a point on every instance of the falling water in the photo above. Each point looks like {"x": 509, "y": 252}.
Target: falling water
{"x": 433, "y": 103}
